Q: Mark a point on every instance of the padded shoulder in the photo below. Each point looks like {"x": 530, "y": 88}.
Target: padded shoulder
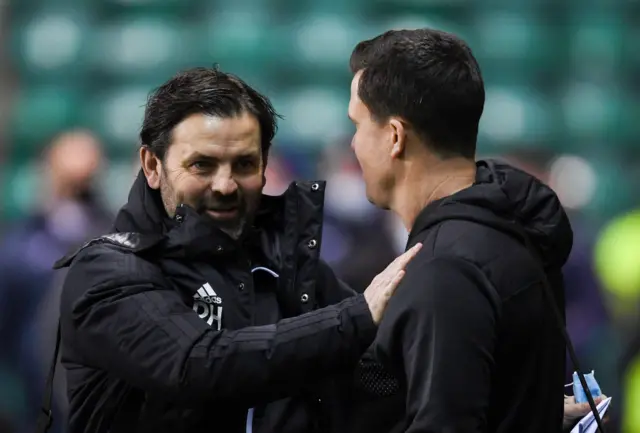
{"x": 134, "y": 242}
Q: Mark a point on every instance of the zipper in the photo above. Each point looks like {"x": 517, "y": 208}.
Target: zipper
{"x": 249, "y": 427}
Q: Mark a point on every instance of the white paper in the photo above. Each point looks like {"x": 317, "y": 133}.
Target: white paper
{"x": 588, "y": 424}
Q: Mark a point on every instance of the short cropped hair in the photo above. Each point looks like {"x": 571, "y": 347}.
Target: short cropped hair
{"x": 430, "y": 79}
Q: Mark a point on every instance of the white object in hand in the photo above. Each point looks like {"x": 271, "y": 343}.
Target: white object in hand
{"x": 588, "y": 423}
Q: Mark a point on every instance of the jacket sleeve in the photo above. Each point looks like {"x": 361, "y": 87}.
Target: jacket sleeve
{"x": 121, "y": 317}
{"x": 438, "y": 334}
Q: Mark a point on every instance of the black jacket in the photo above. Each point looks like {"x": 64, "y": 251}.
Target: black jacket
{"x": 170, "y": 325}
{"x": 469, "y": 342}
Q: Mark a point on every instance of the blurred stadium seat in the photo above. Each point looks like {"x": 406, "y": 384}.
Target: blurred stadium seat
{"x": 93, "y": 63}
{"x": 40, "y": 112}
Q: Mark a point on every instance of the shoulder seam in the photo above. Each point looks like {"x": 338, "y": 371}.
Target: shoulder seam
{"x": 493, "y": 292}
{"x": 123, "y": 240}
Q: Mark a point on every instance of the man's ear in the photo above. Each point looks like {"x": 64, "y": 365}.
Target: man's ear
{"x": 399, "y": 137}
{"x": 151, "y": 166}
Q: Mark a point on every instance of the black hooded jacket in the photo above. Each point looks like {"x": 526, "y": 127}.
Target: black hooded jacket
{"x": 171, "y": 326}
{"x": 469, "y": 342}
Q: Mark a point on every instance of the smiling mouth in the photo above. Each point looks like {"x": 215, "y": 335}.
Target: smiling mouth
{"x": 223, "y": 213}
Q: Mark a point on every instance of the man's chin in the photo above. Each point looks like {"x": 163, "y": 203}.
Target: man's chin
{"x": 234, "y": 232}
{"x": 231, "y": 226}
{"x": 377, "y": 203}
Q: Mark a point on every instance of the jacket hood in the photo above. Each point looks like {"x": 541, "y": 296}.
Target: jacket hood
{"x": 143, "y": 212}
{"x": 511, "y": 201}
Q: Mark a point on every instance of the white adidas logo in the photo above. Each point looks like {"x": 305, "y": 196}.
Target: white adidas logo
{"x": 208, "y": 305}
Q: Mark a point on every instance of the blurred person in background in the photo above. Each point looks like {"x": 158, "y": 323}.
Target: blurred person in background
{"x": 69, "y": 213}
{"x": 617, "y": 264}
{"x": 469, "y": 342}
{"x": 278, "y": 175}
{"x": 6, "y": 425}
{"x": 630, "y": 374}
{"x": 357, "y": 240}
{"x": 587, "y": 318}
{"x": 209, "y": 301}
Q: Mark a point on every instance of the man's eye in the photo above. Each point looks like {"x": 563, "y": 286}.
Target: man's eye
{"x": 246, "y": 164}
{"x": 200, "y": 165}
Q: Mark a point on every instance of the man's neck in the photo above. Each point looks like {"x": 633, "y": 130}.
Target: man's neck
{"x": 423, "y": 184}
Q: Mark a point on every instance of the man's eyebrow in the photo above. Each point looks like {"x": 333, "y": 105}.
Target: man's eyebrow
{"x": 249, "y": 154}
{"x": 201, "y": 156}
{"x": 198, "y": 155}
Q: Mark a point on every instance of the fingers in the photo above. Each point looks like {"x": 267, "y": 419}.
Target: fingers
{"x": 380, "y": 291}
{"x": 396, "y": 281}
{"x": 573, "y": 410}
{"x": 403, "y": 260}
{"x": 390, "y": 289}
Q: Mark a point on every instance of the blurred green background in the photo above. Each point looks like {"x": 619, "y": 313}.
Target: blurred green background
{"x": 559, "y": 74}
{"x": 563, "y": 99}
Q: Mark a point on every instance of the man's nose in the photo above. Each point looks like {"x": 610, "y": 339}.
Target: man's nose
{"x": 224, "y": 183}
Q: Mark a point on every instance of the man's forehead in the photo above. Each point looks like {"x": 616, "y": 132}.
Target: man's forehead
{"x": 356, "y": 106}
{"x": 217, "y": 136}
{"x": 199, "y": 125}
{"x": 216, "y": 149}
{"x": 355, "y": 82}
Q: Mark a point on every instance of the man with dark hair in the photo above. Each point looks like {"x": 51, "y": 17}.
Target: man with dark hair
{"x": 469, "y": 342}
{"x": 209, "y": 300}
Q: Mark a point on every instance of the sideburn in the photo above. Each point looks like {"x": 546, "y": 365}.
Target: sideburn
{"x": 167, "y": 193}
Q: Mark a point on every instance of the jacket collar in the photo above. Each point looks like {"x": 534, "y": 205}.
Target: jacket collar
{"x": 511, "y": 201}
{"x": 280, "y": 220}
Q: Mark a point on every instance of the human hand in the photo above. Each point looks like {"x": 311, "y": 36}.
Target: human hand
{"x": 385, "y": 283}
{"x": 574, "y": 411}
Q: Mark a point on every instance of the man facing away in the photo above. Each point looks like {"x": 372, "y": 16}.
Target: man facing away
{"x": 209, "y": 301}
{"x": 469, "y": 342}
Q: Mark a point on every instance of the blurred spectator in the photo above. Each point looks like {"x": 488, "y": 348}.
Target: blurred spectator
{"x": 630, "y": 368}
{"x": 69, "y": 214}
{"x": 587, "y": 319}
{"x": 5, "y": 425}
{"x": 278, "y": 175}
{"x": 617, "y": 259}
{"x": 358, "y": 239}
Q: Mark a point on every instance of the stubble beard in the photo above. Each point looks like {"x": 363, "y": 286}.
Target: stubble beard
{"x": 234, "y": 229}
{"x": 168, "y": 197}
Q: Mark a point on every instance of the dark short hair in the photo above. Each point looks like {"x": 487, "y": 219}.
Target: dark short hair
{"x": 430, "y": 79}
{"x": 207, "y": 91}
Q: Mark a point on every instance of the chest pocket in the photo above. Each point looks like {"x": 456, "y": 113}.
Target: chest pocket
{"x": 207, "y": 291}
{"x": 208, "y": 306}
